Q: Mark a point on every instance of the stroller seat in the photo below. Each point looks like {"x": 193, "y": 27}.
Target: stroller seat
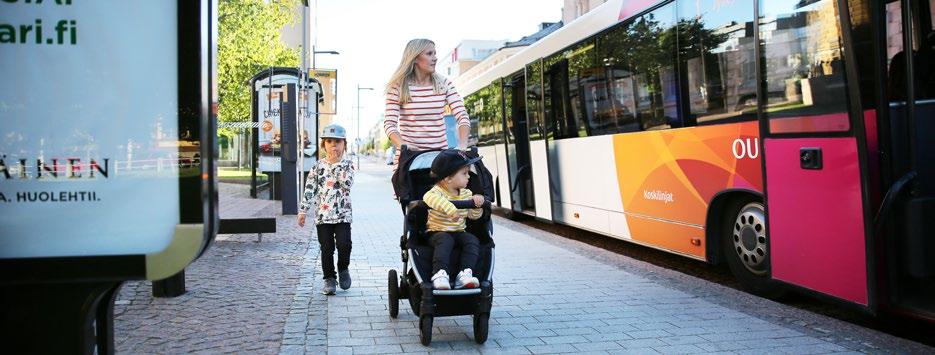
{"x": 421, "y": 252}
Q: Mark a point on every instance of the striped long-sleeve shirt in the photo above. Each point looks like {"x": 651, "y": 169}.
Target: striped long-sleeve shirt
{"x": 443, "y": 215}
{"x": 420, "y": 122}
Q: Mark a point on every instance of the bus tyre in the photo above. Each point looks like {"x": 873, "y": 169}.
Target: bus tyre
{"x": 745, "y": 246}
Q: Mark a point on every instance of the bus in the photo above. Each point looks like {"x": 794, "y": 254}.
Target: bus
{"x": 783, "y": 138}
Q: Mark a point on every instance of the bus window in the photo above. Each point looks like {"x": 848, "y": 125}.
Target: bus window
{"x": 653, "y": 63}
{"x": 923, "y": 42}
{"x": 534, "y": 99}
{"x": 470, "y": 104}
{"x": 561, "y": 121}
{"x": 651, "y": 56}
{"x": 637, "y": 86}
{"x": 582, "y": 79}
{"x": 509, "y": 107}
{"x": 495, "y": 111}
{"x": 618, "y": 114}
{"x": 487, "y": 130}
{"x": 804, "y": 66}
{"x": 716, "y": 47}
{"x": 548, "y": 104}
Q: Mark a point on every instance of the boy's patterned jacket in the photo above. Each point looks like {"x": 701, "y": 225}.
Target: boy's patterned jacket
{"x": 328, "y": 191}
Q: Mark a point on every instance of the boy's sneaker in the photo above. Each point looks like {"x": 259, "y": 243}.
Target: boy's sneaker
{"x": 440, "y": 280}
{"x": 345, "y": 279}
{"x": 330, "y": 285}
{"x": 466, "y": 280}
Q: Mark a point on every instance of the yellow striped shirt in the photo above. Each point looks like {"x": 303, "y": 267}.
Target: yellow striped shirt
{"x": 443, "y": 215}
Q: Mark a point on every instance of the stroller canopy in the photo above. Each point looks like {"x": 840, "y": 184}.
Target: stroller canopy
{"x": 423, "y": 161}
{"x": 411, "y": 179}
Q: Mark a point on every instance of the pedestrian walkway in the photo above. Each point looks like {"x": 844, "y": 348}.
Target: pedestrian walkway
{"x": 552, "y": 295}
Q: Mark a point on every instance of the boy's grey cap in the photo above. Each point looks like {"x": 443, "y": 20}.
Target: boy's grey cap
{"x": 333, "y": 131}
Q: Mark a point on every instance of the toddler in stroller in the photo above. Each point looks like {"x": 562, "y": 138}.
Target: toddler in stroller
{"x": 412, "y": 180}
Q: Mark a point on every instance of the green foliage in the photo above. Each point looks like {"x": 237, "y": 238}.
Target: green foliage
{"x": 248, "y": 41}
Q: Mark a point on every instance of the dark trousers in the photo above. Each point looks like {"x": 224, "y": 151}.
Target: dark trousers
{"x": 444, "y": 243}
{"x": 329, "y": 236}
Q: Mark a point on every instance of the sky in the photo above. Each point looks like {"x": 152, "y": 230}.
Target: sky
{"x": 371, "y": 34}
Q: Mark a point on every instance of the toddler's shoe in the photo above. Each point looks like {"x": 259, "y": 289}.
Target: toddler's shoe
{"x": 330, "y": 285}
{"x": 466, "y": 280}
{"x": 440, "y": 280}
{"x": 345, "y": 279}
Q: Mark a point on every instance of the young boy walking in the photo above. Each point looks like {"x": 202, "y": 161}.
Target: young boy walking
{"x": 328, "y": 190}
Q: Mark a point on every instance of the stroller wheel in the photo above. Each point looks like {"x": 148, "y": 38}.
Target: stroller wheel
{"x": 425, "y": 330}
{"x": 393, "y": 298}
{"x": 481, "y": 325}
{"x": 403, "y": 290}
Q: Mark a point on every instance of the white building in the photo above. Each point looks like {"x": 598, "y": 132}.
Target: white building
{"x": 504, "y": 52}
{"x": 467, "y": 54}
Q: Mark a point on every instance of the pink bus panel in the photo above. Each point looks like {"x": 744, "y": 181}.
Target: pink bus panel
{"x": 816, "y": 217}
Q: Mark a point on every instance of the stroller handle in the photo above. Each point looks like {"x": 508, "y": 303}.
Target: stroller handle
{"x": 460, "y": 204}
{"x": 469, "y": 204}
{"x": 405, "y": 147}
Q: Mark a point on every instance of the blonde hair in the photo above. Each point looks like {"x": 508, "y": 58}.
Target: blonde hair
{"x": 406, "y": 72}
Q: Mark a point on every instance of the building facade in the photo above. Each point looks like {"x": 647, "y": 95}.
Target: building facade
{"x": 505, "y": 51}
{"x": 575, "y": 8}
{"x": 466, "y": 55}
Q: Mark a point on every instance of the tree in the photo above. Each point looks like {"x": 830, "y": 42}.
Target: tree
{"x": 248, "y": 41}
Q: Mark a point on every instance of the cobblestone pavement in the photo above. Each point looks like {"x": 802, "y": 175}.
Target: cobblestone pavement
{"x": 551, "y": 295}
{"x": 238, "y": 294}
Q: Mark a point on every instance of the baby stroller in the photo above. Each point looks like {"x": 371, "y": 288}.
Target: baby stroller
{"x": 411, "y": 181}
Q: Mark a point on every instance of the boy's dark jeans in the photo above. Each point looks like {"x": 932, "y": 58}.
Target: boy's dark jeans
{"x": 329, "y": 236}
{"x": 444, "y": 242}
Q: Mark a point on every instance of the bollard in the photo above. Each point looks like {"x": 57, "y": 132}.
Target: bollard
{"x": 173, "y": 286}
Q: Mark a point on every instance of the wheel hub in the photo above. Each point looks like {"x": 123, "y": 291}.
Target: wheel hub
{"x": 749, "y": 236}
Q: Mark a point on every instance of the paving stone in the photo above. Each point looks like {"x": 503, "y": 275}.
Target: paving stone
{"x": 549, "y": 349}
{"x": 594, "y": 346}
{"x": 678, "y": 349}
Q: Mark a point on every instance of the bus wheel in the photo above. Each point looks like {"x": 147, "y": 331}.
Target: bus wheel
{"x": 745, "y": 246}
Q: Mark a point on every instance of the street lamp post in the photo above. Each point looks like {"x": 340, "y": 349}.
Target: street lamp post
{"x": 314, "y": 52}
{"x": 358, "y": 123}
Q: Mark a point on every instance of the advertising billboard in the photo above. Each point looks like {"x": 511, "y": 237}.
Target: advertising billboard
{"x": 107, "y": 169}
{"x": 270, "y": 135}
{"x": 104, "y": 126}
{"x": 328, "y": 78}
{"x": 269, "y": 98}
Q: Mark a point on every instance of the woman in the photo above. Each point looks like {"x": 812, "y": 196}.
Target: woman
{"x": 416, "y": 100}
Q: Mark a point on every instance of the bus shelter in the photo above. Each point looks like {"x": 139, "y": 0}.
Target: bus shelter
{"x": 285, "y": 129}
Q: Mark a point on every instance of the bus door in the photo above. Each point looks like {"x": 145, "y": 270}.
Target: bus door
{"x": 536, "y": 136}
{"x": 908, "y": 207}
{"x": 814, "y": 151}
{"x": 517, "y": 136}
